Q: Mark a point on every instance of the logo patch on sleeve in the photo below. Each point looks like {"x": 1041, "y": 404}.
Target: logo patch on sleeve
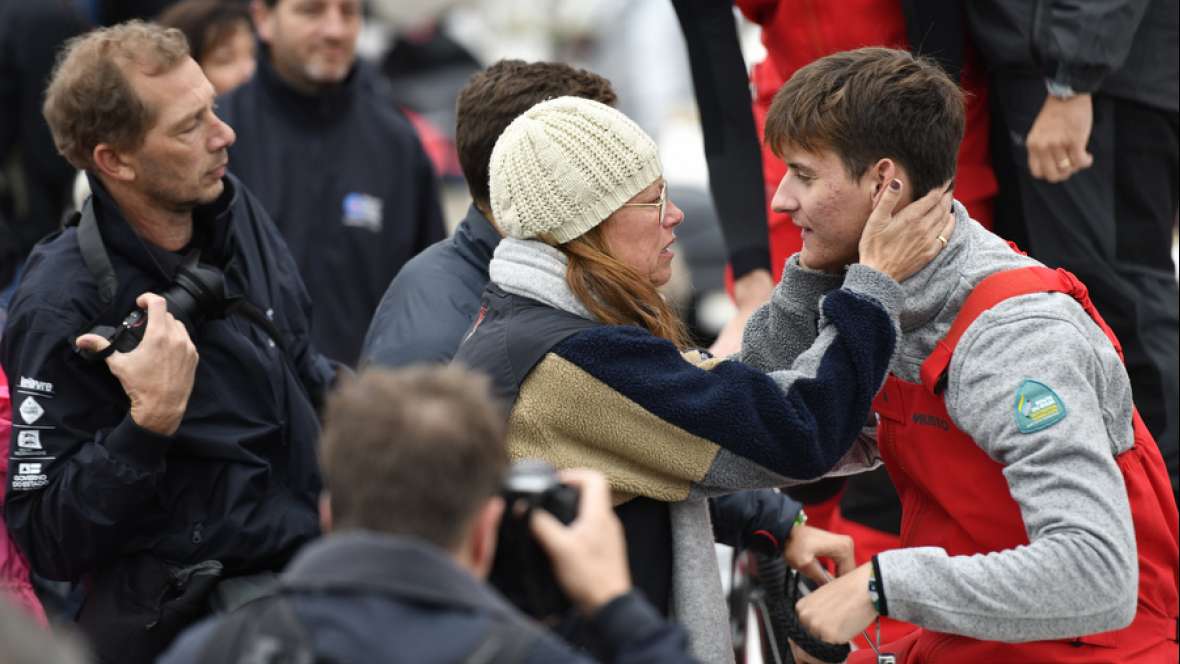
{"x": 1037, "y": 407}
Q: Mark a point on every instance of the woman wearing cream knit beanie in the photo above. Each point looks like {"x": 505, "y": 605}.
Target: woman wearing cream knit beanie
{"x": 579, "y": 344}
{"x": 582, "y": 177}
{"x": 565, "y": 165}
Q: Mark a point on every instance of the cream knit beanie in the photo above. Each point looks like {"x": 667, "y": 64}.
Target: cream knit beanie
{"x": 565, "y": 165}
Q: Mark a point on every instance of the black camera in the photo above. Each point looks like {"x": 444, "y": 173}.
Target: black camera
{"x": 521, "y": 570}
{"x": 197, "y": 294}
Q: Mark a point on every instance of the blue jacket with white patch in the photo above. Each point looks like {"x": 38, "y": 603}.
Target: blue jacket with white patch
{"x": 348, "y": 184}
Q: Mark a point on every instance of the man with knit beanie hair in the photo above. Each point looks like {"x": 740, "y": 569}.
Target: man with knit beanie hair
{"x": 588, "y": 357}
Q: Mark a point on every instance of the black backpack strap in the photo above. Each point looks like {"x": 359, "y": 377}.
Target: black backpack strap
{"x": 265, "y": 631}
{"x": 94, "y": 254}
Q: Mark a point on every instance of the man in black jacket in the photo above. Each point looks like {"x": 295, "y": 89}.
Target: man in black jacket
{"x": 181, "y": 473}
{"x": 1089, "y": 94}
{"x": 336, "y": 165}
{"x": 414, "y": 517}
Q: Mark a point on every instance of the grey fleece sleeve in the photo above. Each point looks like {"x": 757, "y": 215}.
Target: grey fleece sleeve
{"x": 1079, "y": 574}
{"x": 788, "y": 324}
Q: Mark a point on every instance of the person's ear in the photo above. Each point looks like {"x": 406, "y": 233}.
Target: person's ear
{"x": 482, "y": 539}
{"x": 880, "y": 175}
{"x": 325, "y": 511}
{"x": 112, "y": 163}
{"x": 262, "y": 15}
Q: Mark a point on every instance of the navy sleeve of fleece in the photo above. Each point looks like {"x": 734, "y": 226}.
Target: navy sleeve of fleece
{"x": 795, "y": 423}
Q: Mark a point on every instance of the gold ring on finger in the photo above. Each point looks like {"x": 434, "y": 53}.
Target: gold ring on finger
{"x": 1065, "y": 164}
{"x": 942, "y": 240}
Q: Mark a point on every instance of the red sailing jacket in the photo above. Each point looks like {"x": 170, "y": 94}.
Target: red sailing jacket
{"x": 980, "y": 516}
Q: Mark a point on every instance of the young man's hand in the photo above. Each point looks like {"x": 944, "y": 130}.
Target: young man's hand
{"x": 841, "y": 609}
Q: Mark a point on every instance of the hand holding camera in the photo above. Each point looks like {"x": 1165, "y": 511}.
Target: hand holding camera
{"x": 158, "y": 374}
{"x": 590, "y": 554}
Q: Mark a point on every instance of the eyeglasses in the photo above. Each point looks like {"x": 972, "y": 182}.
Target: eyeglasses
{"x": 662, "y": 204}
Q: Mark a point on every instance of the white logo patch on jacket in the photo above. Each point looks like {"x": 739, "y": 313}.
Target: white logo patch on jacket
{"x": 28, "y": 442}
{"x": 29, "y": 476}
{"x": 363, "y": 211}
{"x": 30, "y": 410}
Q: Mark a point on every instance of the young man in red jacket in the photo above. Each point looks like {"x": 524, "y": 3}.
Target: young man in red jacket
{"x": 1038, "y": 520}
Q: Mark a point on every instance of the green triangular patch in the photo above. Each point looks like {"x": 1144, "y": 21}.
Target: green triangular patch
{"x": 1037, "y": 407}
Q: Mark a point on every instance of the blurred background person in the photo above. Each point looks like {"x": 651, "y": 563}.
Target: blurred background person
{"x": 220, "y": 37}
{"x": 337, "y": 166}
{"x": 34, "y": 180}
{"x": 1089, "y": 95}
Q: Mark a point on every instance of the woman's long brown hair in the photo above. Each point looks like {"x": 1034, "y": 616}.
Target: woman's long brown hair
{"x": 617, "y": 294}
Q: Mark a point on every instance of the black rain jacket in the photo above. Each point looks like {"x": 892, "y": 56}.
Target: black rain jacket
{"x": 237, "y": 483}
{"x": 1126, "y": 48}
{"x": 348, "y": 184}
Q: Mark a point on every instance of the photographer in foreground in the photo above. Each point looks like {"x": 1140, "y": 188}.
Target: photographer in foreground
{"x": 171, "y": 485}
{"x": 415, "y": 519}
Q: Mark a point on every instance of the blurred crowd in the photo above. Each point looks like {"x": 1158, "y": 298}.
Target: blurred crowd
{"x": 477, "y": 330}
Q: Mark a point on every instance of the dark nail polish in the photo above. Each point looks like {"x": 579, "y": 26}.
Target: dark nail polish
{"x": 895, "y": 185}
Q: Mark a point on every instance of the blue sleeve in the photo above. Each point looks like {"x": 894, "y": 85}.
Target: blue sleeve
{"x": 417, "y": 320}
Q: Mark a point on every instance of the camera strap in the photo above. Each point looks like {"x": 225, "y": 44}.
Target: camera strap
{"x": 94, "y": 254}
{"x": 98, "y": 263}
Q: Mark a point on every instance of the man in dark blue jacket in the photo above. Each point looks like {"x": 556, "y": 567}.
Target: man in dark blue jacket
{"x": 336, "y": 165}
{"x": 415, "y": 518}
{"x": 434, "y": 298}
{"x": 180, "y": 473}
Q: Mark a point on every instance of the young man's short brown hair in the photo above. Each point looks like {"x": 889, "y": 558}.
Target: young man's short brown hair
{"x": 494, "y": 97}
{"x": 91, "y": 100}
{"x": 413, "y": 451}
{"x": 869, "y": 104}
